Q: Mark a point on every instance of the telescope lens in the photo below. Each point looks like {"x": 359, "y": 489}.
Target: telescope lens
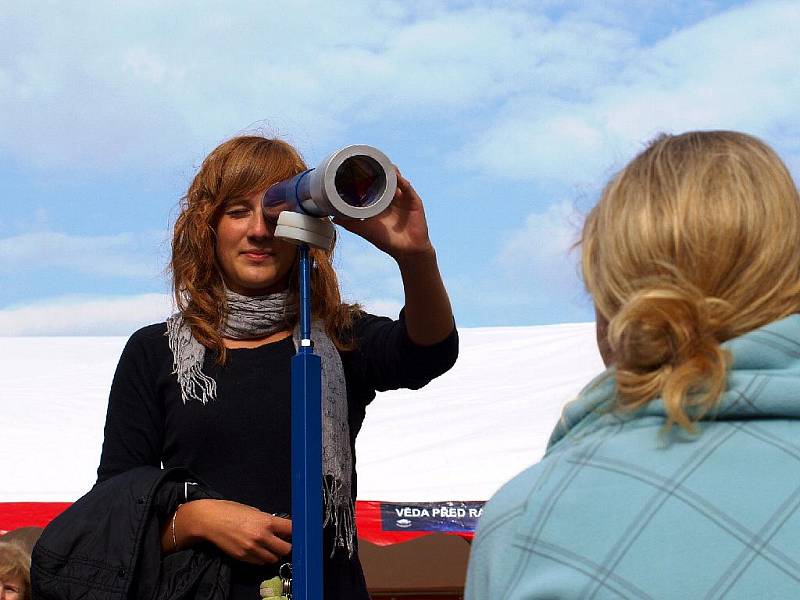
{"x": 360, "y": 181}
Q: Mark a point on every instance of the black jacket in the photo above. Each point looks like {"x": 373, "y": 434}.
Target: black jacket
{"x": 107, "y": 546}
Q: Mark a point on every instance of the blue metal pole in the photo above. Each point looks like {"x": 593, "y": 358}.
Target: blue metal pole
{"x": 306, "y": 452}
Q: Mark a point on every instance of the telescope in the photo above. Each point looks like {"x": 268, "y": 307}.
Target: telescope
{"x": 357, "y": 182}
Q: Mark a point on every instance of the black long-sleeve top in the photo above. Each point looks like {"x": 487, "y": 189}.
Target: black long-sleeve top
{"x": 240, "y": 443}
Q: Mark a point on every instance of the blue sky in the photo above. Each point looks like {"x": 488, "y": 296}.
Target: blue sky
{"x": 508, "y": 117}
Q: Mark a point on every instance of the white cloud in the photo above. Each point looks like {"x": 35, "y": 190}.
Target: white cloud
{"x": 368, "y": 276}
{"x": 85, "y": 316}
{"x": 734, "y": 70}
{"x": 537, "y": 95}
{"x": 356, "y": 256}
{"x": 385, "y": 307}
{"x": 81, "y": 315}
{"x": 124, "y": 255}
{"x": 542, "y": 247}
{"x": 533, "y": 276}
{"x": 169, "y": 77}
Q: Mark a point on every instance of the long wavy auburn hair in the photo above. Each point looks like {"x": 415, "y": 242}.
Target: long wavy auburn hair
{"x": 696, "y": 241}
{"x": 238, "y": 168}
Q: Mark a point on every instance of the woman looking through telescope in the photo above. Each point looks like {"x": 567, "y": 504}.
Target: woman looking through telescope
{"x": 209, "y": 389}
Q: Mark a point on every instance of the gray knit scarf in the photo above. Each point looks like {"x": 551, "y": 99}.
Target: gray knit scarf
{"x": 248, "y": 317}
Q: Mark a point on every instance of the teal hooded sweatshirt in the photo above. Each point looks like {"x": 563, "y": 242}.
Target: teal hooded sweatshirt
{"x": 618, "y": 508}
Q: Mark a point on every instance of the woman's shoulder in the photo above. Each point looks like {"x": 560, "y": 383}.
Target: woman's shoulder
{"x": 359, "y": 324}
{"x": 148, "y": 340}
{"x": 509, "y": 502}
{"x": 361, "y": 317}
{"x": 150, "y": 334}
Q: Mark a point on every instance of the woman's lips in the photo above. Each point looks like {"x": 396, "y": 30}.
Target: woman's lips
{"x": 257, "y": 255}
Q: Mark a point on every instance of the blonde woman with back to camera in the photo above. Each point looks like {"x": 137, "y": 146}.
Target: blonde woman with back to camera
{"x": 675, "y": 473}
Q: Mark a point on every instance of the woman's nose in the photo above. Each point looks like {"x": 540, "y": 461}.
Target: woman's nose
{"x": 259, "y": 226}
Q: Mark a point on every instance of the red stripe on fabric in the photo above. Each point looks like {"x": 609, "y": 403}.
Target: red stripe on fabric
{"x": 29, "y": 514}
{"x": 368, "y": 520}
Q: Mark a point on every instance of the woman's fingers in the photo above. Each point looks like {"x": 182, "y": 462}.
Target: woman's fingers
{"x": 405, "y": 191}
{"x": 246, "y": 533}
{"x": 258, "y": 555}
{"x": 272, "y": 536}
{"x": 263, "y": 541}
{"x": 282, "y": 527}
{"x": 279, "y": 546}
{"x": 276, "y": 535}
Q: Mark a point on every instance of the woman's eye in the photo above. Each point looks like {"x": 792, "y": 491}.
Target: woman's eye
{"x": 237, "y": 213}
{"x": 271, "y": 214}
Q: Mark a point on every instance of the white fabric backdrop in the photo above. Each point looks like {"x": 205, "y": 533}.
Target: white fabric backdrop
{"x": 459, "y": 438}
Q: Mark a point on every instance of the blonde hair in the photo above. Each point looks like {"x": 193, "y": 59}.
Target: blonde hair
{"x": 15, "y": 562}
{"x": 696, "y": 241}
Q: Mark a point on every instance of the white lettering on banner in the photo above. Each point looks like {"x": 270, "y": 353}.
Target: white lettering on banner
{"x": 408, "y": 511}
{"x": 450, "y": 512}
{"x": 443, "y": 512}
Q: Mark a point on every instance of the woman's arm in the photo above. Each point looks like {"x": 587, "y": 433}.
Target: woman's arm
{"x": 429, "y": 317}
{"x": 134, "y": 437}
{"x": 240, "y": 531}
{"x": 134, "y": 428}
{"x": 402, "y": 232}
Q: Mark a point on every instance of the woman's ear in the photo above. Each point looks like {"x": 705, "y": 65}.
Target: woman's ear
{"x": 601, "y": 331}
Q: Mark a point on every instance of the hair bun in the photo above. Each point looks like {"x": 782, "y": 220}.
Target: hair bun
{"x": 666, "y": 342}
{"x": 660, "y": 326}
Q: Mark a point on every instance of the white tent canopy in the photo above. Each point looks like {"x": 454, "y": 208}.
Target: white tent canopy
{"x": 459, "y": 438}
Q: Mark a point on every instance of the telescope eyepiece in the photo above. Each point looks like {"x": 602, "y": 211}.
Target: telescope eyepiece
{"x": 360, "y": 181}
{"x": 356, "y": 182}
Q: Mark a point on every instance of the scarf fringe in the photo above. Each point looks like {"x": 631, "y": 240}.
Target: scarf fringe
{"x": 340, "y": 513}
{"x": 187, "y": 363}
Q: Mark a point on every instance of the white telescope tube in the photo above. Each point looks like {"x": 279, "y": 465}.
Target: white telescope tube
{"x": 357, "y": 182}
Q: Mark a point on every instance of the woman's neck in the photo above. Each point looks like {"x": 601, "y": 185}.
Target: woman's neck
{"x": 256, "y": 342}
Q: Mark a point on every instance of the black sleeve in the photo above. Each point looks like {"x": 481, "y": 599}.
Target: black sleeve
{"x": 134, "y": 430}
{"x": 387, "y": 359}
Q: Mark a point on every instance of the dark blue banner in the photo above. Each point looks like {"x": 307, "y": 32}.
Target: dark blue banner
{"x": 448, "y": 517}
